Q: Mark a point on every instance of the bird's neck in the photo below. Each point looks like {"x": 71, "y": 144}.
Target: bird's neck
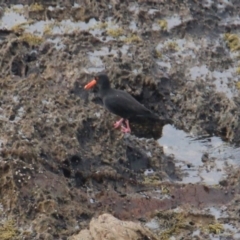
{"x": 104, "y": 88}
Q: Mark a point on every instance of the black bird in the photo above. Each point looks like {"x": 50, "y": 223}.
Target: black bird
{"x": 120, "y": 103}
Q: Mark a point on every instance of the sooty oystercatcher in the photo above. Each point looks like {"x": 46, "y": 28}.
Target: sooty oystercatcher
{"x": 120, "y": 103}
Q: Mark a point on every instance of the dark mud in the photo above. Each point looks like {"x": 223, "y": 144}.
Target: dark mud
{"x": 61, "y": 161}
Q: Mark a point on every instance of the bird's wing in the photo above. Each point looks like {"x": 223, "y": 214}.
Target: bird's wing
{"x": 124, "y": 105}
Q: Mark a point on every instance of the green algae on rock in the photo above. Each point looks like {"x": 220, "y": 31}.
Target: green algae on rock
{"x": 36, "y": 7}
{"x": 163, "y": 24}
{"x": 233, "y": 41}
{"x": 8, "y": 230}
{"x": 133, "y": 39}
{"x": 115, "y": 32}
{"x": 31, "y": 39}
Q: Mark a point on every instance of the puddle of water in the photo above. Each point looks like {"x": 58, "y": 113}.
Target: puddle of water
{"x": 16, "y": 99}
{"x": 207, "y": 3}
{"x": 38, "y": 27}
{"x": 198, "y": 72}
{"x": 64, "y": 26}
{"x": 152, "y": 11}
{"x": 148, "y": 172}
{"x": 153, "y": 224}
{"x": 216, "y": 212}
{"x": 230, "y": 21}
{"x": 188, "y": 152}
{"x": 133, "y": 26}
{"x": 188, "y": 48}
{"x": 172, "y": 22}
{"x": 220, "y": 79}
{"x": 196, "y": 233}
{"x": 92, "y": 70}
{"x": 229, "y": 227}
{"x": 96, "y": 62}
{"x": 164, "y": 64}
{"x": 236, "y": 235}
{"x": 137, "y": 71}
{"x": 156, "y": 27}
{"x": 134, "y": 8}
{"x": 223, "y": 4}
{"x": 11, "y": 17}
{"x": 57, "y": 42}
{"x": 184, "y": 48}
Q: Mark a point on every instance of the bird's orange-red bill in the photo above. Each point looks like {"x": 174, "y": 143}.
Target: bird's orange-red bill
{"x": 90, "y": 84}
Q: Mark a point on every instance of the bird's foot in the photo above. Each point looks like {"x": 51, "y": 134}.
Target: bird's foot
{"x": 126, "y": 129}
{"x": 118, "y": 123}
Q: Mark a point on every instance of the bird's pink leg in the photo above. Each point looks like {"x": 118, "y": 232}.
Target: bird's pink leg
{"x": 126, "y": 129}
{"x": 118, "y": 123}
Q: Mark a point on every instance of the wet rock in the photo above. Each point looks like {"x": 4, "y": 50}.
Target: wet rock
{"x": 137, "y": 160}
{"x": 18, "y": 67}
{"x": 205, "y": 157}
{"x": 36, "y": 11}
{"x": 34, "y": 71}
{"x": 45, "y": 47}
{"x": 82, "y": 14}
{"x": 223, "y": 122}
{"x": 1, "y": 12}
{"x": 4, "y": 33}
{"x": 108, "y": 227}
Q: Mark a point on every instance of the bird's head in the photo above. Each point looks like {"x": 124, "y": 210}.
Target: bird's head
{"x": 101, "y": 80}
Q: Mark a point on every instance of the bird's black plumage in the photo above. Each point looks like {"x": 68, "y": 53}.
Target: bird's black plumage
{"x": 122, "y": 103}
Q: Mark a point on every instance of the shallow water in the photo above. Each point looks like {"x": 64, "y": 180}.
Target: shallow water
{"x": 96, "y": 63}
{"x": 189, "y": 150}
{"x": 221, "y": 79}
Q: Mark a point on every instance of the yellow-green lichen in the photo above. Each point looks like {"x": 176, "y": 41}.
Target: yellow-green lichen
{"x": 36, "y": 7}
{"x": 133, "y": 38}
{"x": 18, "y": 28}
{"x": 48, "y": 29}
{"x": 165, "y": 190}
{"x": 116, "y": 32}
{"x": 101, "y": 25}
{"x": 216, "y": 228}
{"x": 151, "y": 180}
{"x": 238, "y": 70}
{"x": 233, "y": 41}
{"x": 238, "y": 85}
{"x": 31, "y": 39}
{"x": 19, "y": 10}
{"x": 174, "y": 222}
{"x": 158, "y": 54}
{"x": 171, "y": 46}
{"x": 8, "y": 230}
{"x": 69, "y": 29}
{"x": 163, "y": 24}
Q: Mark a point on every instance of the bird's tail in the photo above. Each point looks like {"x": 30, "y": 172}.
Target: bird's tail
{"x": 155, "y": 118}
